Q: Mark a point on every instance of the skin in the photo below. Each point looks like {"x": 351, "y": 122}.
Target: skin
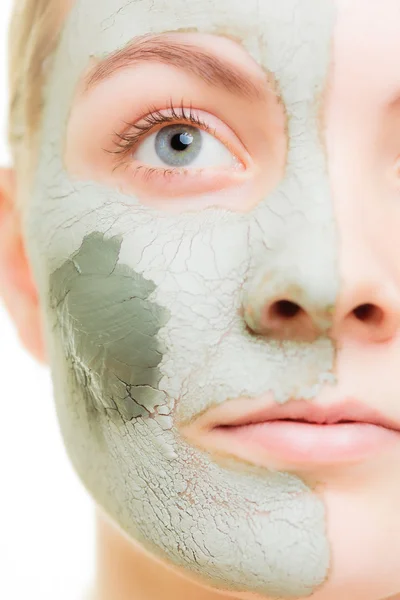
{"x": 193, "y": 299}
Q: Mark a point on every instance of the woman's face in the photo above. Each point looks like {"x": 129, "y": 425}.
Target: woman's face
{"x": 214, "y": 232}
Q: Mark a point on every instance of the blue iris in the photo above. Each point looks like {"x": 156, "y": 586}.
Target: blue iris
{"x": 178, "y": 145}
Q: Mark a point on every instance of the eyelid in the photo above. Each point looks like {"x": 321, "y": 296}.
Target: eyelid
{"x": 152, "y": 122}
{"x": 125, "y": 142}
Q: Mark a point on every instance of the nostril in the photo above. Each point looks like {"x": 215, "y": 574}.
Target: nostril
{"x": 369, "y": 314}
{"x": 285, "y": 309}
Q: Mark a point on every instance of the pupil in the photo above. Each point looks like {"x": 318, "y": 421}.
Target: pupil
{"x": 181, "y": 141}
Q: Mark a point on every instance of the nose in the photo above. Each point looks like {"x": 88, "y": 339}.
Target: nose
{"x": 306, "y": 301}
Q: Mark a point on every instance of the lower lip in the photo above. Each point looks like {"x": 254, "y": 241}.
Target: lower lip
{"x": 295, "y": 442}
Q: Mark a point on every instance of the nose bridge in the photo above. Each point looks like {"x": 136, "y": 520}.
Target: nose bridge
{"x": 368, "y": 303}
{"x": 293, "y": 286}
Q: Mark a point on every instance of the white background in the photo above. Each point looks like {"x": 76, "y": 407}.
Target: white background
{"x": 46, "y": 518}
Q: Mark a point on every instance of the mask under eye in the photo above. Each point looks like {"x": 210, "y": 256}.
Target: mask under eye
{"x": 180, "y": 145}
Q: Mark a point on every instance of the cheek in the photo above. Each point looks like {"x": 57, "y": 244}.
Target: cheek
{"x": 109, "y": 328}
{"x": 116, "y": 420}
{"x": 129, "y": 342}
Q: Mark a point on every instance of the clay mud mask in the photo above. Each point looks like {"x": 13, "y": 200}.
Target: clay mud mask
{"x": 145, "y": 306}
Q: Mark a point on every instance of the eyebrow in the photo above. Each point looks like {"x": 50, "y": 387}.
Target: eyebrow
{"x": 189, "y": 58}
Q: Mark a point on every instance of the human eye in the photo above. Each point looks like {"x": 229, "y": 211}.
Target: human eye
{"x": 176, "y": 145}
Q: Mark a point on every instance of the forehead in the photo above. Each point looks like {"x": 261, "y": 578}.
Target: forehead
{"x": 361, "y": 38}
{"x": 246, "y": 20}
{"x": 277, "y": 34}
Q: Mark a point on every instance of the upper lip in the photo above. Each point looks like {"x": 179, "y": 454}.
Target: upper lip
{"x": 349, "y": 411}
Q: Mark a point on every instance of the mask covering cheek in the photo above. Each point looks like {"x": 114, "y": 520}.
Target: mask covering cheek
{"x": 124, "y": 341}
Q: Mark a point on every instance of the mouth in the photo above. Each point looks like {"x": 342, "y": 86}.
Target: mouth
{"x": 296, "y": 434}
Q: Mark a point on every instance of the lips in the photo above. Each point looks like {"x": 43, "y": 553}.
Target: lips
{"x": 297, "y": 433}
{"x": 300, "y": 410}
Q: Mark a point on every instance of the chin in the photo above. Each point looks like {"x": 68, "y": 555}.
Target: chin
{"x": 361, "y": 519}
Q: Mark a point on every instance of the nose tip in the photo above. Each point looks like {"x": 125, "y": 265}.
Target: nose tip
{"x": 291, "y": 316}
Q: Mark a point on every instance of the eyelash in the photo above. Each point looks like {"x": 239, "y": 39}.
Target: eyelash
{"x": 125, "y": 143}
